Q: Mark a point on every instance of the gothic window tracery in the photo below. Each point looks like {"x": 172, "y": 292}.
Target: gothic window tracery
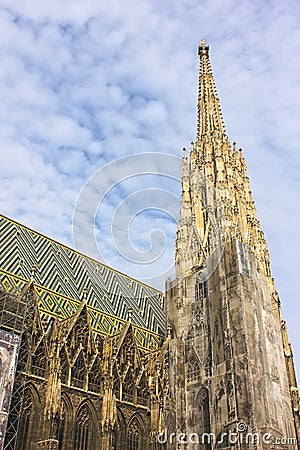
{"x": 142, "y": 391}
{"x": 128, "y": 387}
{"x": 79, "y": 336}
{"x": 25, "y": 425}
{"x": 116, "y": 385}
{"x": 193, "y": 366}
{"x": 64, "y": 365}
{"x": 171, "y": 431}
{"x": 39, "y": 361}
{"x": 62, "y": 425}
{"x": 200, "y": 293}
{"x": 79, "y": 372}
{"x": 134, "y": 435}
{"x": 127, "y": 354}
{"x": 204, "y": 417}
{"x": 119, "y": 433}
{"x": 99, "y": 344}
{"x": 95, "y": 375}
{"x": 83, "y": 428}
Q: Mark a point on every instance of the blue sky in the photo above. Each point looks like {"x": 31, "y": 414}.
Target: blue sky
{"x": 85, "y": 83}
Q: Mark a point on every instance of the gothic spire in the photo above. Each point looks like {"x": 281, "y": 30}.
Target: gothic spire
{"x": 209, "y": 111}
{"x": 216, "y": 195}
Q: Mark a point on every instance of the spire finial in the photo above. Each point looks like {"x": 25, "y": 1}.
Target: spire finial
{"x": 32, "y": 273}
{"x": 129, "y": 313}
{"x": 85, "y": 293}
{"x": 210, "y": 119}
{"x": 203, "y": 48}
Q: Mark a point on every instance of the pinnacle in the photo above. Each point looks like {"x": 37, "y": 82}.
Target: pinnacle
{"x": 32, "y": 273}
{"x": 209, "y": 111}
{"x": 85, "y": 294}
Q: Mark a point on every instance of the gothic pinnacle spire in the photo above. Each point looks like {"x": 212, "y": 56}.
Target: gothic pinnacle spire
{"x": 209, "y": 111}
{"x": 32, "y": 273}
{"x": 214, "y": 166}
{"x": 185, "y": 178}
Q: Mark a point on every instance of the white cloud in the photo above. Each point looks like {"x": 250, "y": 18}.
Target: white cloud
{"x": 84, "y": 83}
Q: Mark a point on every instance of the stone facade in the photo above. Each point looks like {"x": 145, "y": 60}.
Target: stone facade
{"x": 76, "y": 390}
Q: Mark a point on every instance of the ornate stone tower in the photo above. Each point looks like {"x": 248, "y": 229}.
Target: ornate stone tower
{"x": 231, "y": 369}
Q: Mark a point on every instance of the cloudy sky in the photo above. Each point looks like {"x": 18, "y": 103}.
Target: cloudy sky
{"x": 83, "y": 84}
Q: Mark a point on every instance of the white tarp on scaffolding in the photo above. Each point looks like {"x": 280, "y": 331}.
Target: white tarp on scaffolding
{"x": 9, "y": 346}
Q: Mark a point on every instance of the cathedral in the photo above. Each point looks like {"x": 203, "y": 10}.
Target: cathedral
{"x": 92, "y": 359}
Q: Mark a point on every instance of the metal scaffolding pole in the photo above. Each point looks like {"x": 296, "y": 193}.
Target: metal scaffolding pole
{"x": 16, "y": 314}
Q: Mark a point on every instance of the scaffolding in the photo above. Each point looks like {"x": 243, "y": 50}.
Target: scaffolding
{"x": 14, "y": 312}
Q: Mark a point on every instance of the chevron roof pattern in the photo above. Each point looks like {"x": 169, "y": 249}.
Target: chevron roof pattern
{"x": 63, "y": 274}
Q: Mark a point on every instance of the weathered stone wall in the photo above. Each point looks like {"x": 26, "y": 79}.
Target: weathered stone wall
{"x": 227, "y": 342}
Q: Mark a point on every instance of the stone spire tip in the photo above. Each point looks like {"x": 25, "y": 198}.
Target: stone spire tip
{"x": 203, "y": 48}
{"x": 32, "y": 273}
{"x": 85, "y": 294}
{"x": 129, "y": 314}
{"x": 210, "y": 120}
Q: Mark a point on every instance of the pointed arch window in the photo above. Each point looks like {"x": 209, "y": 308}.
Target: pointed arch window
{"x": 199, "y": 294}
{"x": 25, "y": 425}
{"x": 134, "y": 435}
{"x": 65, "y": 365}
{"x": 79, "y": 372}
{"x": 193, "y": 369}
{"x": 171, "y": 431}
{"x": 142, "y": 391}
{"x": 203, "y": 402}
{"x": 83, "y": 429}
{"x": 78, "y": 336}
{"x": 118, "y": 434}
{"x": 39, "y": 360}
{"x": 128, "y": 387}
{"x": 95, "y": 375}
{"x": 62, "y": 425}
{"x": 117, "y": 384}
